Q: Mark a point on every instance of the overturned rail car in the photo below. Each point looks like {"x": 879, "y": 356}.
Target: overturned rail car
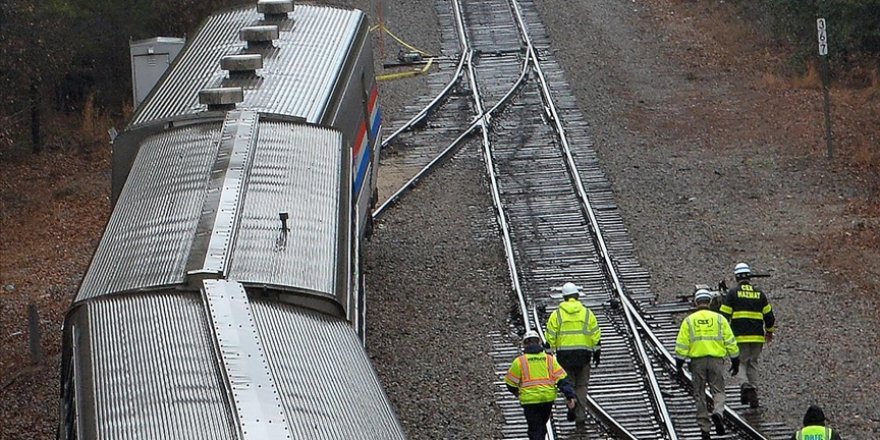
{"x": 225, "y": 299}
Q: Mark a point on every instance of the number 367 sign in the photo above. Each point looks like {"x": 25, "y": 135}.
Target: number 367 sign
{"x": 823, "y": 38}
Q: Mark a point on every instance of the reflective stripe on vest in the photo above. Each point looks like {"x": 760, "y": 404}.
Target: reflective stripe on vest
{"x": 748, "y": 315}
{"x": 711, "y": 342}
{"x": 814, "y": 433}
{"x": 540, "y": 387}
{"x": 585, "y": 330}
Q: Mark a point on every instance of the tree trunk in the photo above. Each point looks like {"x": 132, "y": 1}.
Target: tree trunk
{"x": 35, "y": 116}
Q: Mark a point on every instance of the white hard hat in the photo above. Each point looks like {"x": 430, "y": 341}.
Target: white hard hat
{"x": 570, "y": 289}
{"x": 702, "y": 295}
{"x": 742, "y": 268}
{"x": 531, "y": 334}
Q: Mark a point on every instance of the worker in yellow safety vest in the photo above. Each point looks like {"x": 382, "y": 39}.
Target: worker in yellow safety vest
{"x": 705, "y": 338}
{"x": 534, "y": 377}
{"x": 573, "y": 333}
{"x": 815, "y": 427}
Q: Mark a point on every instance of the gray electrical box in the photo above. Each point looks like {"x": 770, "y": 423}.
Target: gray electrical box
{"x": 150, "y": 59}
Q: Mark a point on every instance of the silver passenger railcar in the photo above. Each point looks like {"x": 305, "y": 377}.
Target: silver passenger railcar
{"x": 225, "y": 299}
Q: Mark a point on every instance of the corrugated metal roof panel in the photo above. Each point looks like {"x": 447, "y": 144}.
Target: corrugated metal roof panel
{"x": 298, "y": 77}
{"x": 326, "y": 382}
{"x": 297, "y": 169}
{"x": 154, "y": 368}
{"x": 149, "y": 235}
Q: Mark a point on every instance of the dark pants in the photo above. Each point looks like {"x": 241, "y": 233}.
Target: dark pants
{"x": 537, "y": 416}
{"x": 579, "y": 375}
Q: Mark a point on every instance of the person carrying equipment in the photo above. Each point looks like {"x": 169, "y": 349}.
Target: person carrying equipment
{"x": 814, "y": 426}
{"x": 534, "y": 377}
{"x": 573, "y": 333}
{"x": 705, "y": 338}
{"x": 751, "y": 318}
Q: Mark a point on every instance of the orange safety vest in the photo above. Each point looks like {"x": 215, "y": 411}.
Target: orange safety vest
{"x": 536, "y": 375}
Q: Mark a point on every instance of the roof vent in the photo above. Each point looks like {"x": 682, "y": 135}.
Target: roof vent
{"x": 259, "y": 36}
{"x": 275, "y": 9}
{"x": 221, "y": 98}
{"x": 241, "y": 65}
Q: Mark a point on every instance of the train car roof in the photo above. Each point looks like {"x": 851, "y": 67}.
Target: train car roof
{"x": 204, "y": 200}
{"x": 301, "y": 71}
{"x": 158, "y": 365}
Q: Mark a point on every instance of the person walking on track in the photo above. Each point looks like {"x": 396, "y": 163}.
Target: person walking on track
{"x": 815, "y": 427}
{"x": 705, "y": 338}
{"x": 534, "y": 377}
{"x": 573, "y": 333}
{"x": 751, "y": 318}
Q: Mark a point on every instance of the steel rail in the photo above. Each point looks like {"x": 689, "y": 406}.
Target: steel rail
{"x": 729, "y": 412}
{"x": 452, "y": 147}
{"x": 604, "y": 417}
{"x": 421, "y": 115}
{"x": 550, "y": 107}
{"x": 632, "y": 312}
{"x": 483, "y": 123}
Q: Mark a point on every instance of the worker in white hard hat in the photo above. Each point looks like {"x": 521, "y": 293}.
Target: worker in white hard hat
{"x": 573, "y": 333}
{"x": 751, "y": 316}
{"x": 705, "y": 339}
{"x": 534, "y": 377}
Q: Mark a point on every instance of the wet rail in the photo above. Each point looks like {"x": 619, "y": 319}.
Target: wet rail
{"x": 559, "y": 223}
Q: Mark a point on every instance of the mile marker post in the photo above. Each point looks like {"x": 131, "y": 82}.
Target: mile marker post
{"x": 823, "y": 61}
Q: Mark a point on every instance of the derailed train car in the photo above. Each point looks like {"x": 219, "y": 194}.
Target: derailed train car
{"x": 225, "y": 299}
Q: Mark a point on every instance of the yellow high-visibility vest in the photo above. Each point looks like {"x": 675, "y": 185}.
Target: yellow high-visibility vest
{"x": 573, "y": 327}
{"x": 814, "y": 433}
{"x": 536, "y": 375}
{"x": 705, "y": 334}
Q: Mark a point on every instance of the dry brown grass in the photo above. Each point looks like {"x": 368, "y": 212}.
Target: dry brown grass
{"x": 774, "y": 81}
{"x": 873, "y": 91}
{"x": 93, "y": 126}
{"x": 811, "y": 79}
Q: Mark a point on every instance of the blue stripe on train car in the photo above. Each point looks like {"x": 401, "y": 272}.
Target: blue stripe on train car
{"x": 365, "y": 157}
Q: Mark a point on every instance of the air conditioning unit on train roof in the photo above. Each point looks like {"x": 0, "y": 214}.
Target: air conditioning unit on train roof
{"x": 221, "y": 98}
{"x": 274, "y": 9}
{"x": 242, "y": 64}
{"x": 258, "y": 36}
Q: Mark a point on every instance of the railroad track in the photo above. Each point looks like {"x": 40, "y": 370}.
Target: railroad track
{"x": 559, "y": 222}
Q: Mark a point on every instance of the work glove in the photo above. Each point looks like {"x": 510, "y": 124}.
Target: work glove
{"x": 768, "y": 337}
{"x": 569, "y": 414}
{"x": 734, "y": 366}
{"x": 596, "y": 355}
{"x": 679, "y": 368}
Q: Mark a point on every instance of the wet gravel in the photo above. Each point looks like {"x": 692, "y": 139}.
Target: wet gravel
{"x": 437, "y": 286}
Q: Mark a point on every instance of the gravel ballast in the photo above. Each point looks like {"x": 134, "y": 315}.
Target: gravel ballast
{"x": 704, "y": 177}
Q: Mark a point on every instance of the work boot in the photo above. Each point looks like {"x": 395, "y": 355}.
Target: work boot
{"x": 719, "y": 424}
{"x": 743, "y": 394}
{"x": 753, "y": 398}
{"x": 705, "y": 435}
